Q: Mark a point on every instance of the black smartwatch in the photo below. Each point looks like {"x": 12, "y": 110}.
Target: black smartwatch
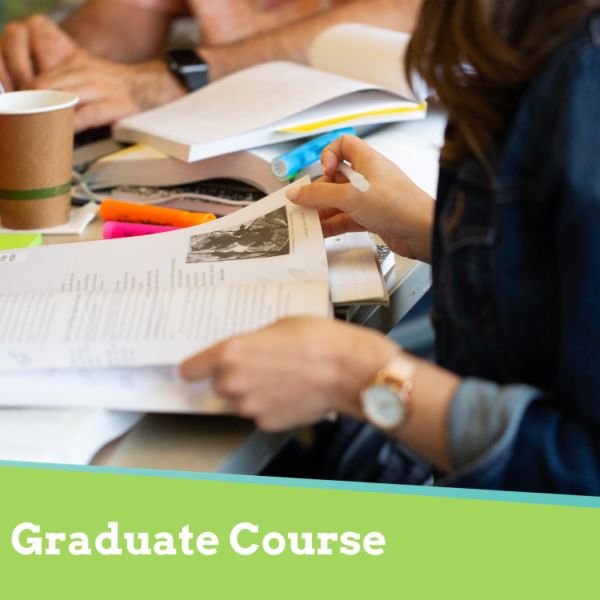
{"x": 188, "y": 67}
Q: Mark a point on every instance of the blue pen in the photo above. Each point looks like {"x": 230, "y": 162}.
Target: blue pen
{"x": 287, "y": 165}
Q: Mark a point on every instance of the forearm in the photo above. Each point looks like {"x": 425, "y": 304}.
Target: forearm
{"x": 425, "y": 431}
{"x": 292, "y": 42}
{"x": 118, "y": 31}
{"x": 426, "y": 428}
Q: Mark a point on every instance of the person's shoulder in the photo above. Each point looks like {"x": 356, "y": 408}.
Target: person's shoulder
{"x": 574, "y": 64}
{"x": 566, "y": 90}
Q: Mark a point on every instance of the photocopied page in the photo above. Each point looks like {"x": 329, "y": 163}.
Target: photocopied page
{"x": 60, "y": 436}
{"x": 141, "y": 327}
{"x": 270, "y": 242}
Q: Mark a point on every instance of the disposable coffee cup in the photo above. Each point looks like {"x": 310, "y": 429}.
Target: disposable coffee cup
{"x": 36, "y": 155}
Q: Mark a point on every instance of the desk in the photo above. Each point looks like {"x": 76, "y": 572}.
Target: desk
{"x": 226, "y": 444}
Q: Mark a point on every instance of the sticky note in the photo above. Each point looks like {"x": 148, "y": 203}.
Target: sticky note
{"x": 11, "y": 241}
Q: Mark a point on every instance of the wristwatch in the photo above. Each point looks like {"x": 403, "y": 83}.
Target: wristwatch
{"x": 385, "y": 401}
{"x": 188, "y": 67}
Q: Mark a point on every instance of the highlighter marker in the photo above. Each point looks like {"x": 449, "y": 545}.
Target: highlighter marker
{"x": 115, "y": 229}
{"x": 286, "y": 166}
{"x": 129, "y": 212}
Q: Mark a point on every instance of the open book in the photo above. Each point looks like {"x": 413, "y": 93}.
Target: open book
{"x": 143, "y": 165}
{"x": 356, "y": 78}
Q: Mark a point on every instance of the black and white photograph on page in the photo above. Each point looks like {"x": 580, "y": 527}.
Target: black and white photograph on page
{"x": 264, "y": 237}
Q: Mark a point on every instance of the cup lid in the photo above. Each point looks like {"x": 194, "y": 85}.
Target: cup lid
{"x": 35, "y": 101}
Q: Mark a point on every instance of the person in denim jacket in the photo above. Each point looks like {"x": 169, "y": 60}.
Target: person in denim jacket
{"x": 514, "y": 241}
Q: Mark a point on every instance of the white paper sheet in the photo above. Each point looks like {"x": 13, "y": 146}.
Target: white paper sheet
{"x": 59, "y": 436}
{"x": 147, "y": 389}
{"x": 367, "y": 53}
{"x": 79, "y": 220}
{"x": 415, "y": 148}
{"x": 353, "y": 270}
{"x": 141, "y": 327}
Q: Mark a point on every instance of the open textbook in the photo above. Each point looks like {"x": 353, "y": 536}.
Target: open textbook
{"x": 155, "y": 300}
{"x": 281, "y": 101}
{"x": 143, "y": 165}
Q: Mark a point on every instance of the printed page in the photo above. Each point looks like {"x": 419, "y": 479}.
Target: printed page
{"x": 147, "y": 389}
{"x": 269, "y": 242}
{"x": 240, "y": 103}
{"x": 141, "y": 327}
{"x": 368, "y": 54}
{"x": 354, "y": 271}
{"x": 59, "y": 436}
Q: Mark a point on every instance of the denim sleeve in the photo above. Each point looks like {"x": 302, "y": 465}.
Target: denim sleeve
{"x": 513, "y": 438}
{"x": 519, "y": 438}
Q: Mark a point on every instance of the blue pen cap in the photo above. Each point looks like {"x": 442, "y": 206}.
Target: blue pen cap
{"x": 289, "y": 164}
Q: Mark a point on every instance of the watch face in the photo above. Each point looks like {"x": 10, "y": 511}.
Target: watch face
{"x": 185, "y": 58}
{"x": 383, "y": 407}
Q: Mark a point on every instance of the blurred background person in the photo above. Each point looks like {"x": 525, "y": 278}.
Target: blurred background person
{"x": 108, "y": 52}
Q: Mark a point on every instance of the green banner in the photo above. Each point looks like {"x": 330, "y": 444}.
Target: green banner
{"x": 42, "y": 194}
{"x": 92, "y": 533}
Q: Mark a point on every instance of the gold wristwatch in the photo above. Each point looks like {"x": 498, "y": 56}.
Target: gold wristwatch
{"x": 385, "y": 401}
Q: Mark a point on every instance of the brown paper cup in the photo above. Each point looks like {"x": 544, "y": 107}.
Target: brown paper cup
{"x": 36, "y": 155}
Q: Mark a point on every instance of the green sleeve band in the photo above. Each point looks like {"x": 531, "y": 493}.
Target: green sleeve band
{"x": 52, "y": 192}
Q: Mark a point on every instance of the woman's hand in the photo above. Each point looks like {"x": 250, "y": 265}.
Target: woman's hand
{"x": 294, "y": 372}
{"x": 394, "y": 207}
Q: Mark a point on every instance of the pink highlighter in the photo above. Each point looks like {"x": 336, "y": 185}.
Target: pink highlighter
{"x": 116, "y": 229}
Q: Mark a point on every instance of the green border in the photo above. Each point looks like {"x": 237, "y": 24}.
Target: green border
{"x": 380, "y": 488}
{"x": 42, "y": 194}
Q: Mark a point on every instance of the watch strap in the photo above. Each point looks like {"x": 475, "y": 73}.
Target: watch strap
{"x": 188, "y": 67}
{"x": 399, "y": 369}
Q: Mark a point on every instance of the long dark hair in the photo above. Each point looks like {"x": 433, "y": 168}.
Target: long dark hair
{"x": 480, "y": 59}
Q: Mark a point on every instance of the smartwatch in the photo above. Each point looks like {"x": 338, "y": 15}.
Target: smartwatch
{"x": 188, "y": 67}
{"x": 385, "y": 401}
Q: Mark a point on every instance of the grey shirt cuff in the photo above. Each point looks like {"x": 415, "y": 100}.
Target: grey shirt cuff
{"x": 480, "y": 415}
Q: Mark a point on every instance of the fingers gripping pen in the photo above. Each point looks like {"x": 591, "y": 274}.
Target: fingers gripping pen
{"x": 287, "y": 165}
{"x": 356, "y": 179}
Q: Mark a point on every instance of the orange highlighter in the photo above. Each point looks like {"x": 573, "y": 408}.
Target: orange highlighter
{"x": 129, "y": 212}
